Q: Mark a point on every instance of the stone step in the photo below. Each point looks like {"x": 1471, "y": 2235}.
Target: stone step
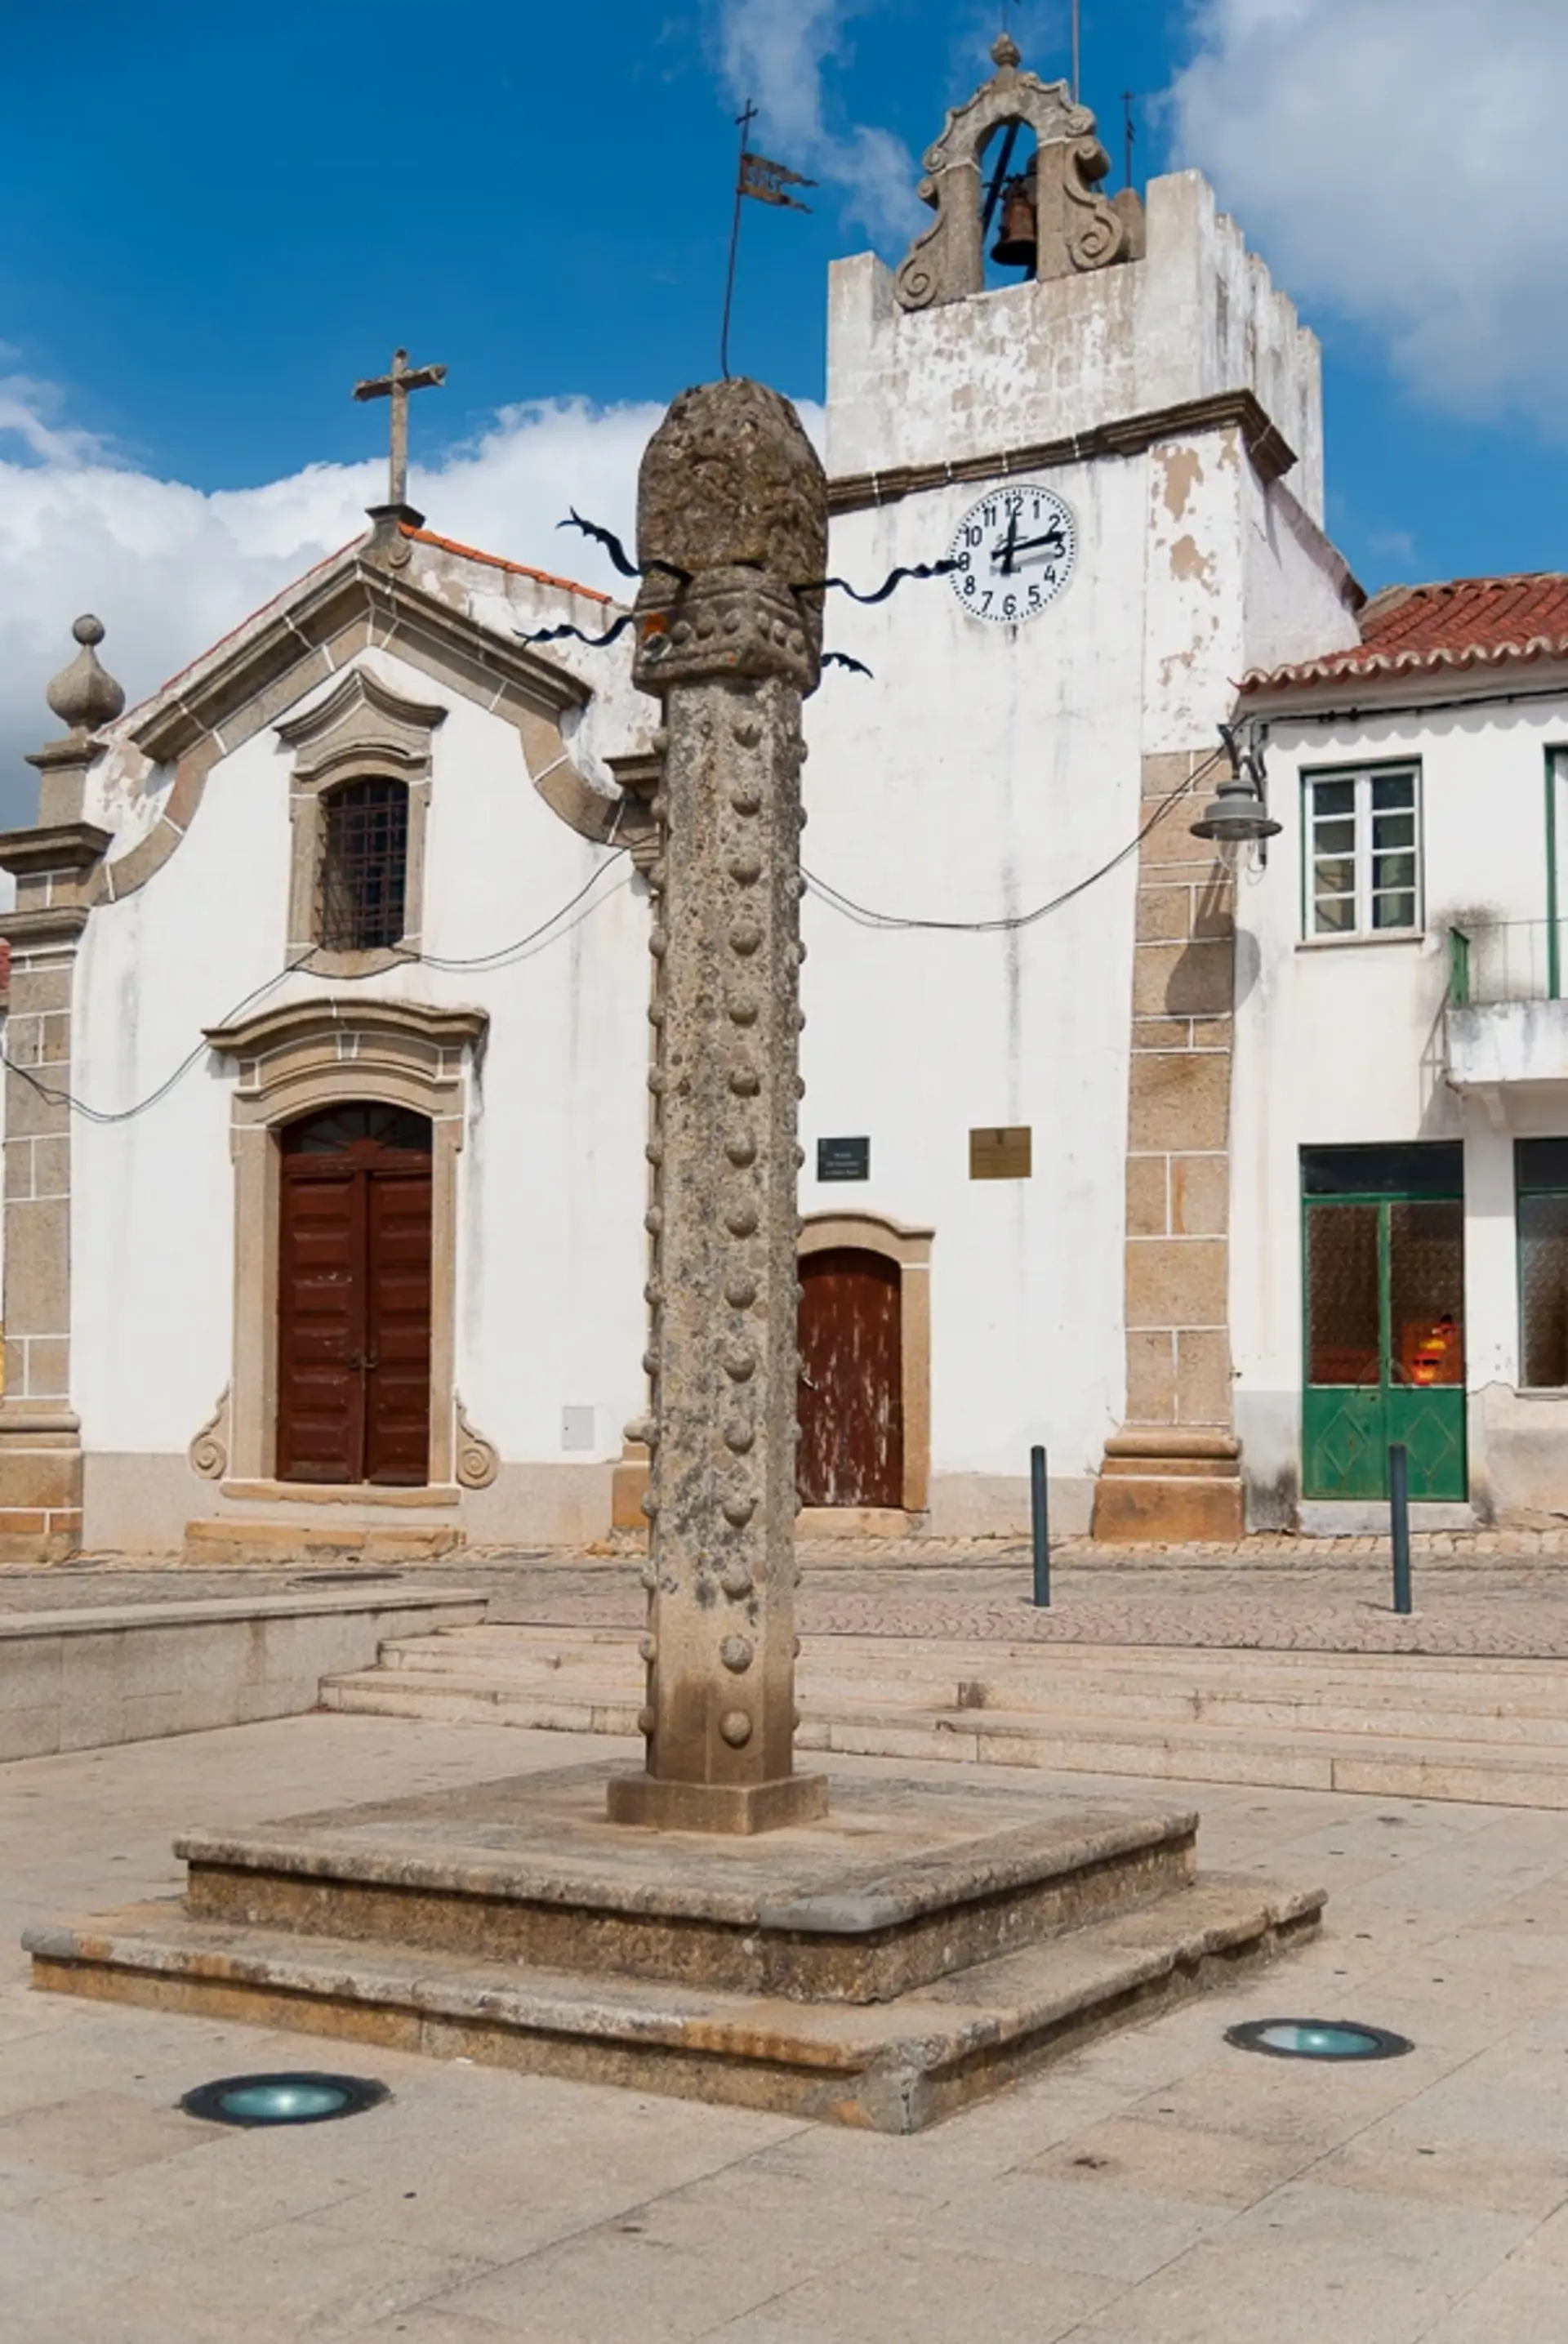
{"x": 1466, "y": 1710}
{"x": 1523, "y": 1685}
{"x": 1416, "y": 1764}
{"x": 1390, "y": 1714}
{"x": 892, "y": 2067}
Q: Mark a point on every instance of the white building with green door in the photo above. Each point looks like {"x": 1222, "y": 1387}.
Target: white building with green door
{"x": 1399, "y": 1263}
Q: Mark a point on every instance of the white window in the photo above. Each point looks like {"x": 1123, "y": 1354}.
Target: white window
{"x": 1363, "y": 852}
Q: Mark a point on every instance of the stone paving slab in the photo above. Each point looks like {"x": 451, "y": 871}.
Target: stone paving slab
{"x": 1155, "y": 2187}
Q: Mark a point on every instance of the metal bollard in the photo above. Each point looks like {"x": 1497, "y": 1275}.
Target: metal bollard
{"x": 1041, "y": 1524}
{"x": 1400, "y": 1523}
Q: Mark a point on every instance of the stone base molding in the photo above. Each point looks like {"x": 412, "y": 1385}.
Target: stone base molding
{"x": 1178, "y": 1379}
{"x": 1169, "y": 1487}
{"x": 40, "y": 1485}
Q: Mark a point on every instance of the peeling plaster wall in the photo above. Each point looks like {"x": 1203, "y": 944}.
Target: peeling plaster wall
{"x": 1039, "y": 361}
{"x": 1343, "y": 1044}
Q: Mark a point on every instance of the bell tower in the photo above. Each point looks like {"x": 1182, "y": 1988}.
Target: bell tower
{"x": 1123, "y": 453}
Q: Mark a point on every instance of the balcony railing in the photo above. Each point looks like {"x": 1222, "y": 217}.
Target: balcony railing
{"x": 1506, "y": 960}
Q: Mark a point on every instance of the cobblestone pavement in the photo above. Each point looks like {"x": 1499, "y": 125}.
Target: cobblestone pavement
{"x": 1156, "y": 2187}
{"x": 1493, "y": 1597}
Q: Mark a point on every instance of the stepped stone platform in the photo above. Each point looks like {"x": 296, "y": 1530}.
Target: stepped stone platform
{"x": 917, "y": 1949}
{"x": 1474, "y": 1729}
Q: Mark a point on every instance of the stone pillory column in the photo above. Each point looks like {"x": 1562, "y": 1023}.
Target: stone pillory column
{"x": 732, "y": 519}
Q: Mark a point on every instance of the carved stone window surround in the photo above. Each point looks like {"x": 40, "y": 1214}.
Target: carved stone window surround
{"x": 312, "y": 1055}
{"x": 364, "y": 730}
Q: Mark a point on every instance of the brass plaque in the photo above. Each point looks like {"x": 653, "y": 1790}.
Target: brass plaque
{"x": 1001, "y": 1153}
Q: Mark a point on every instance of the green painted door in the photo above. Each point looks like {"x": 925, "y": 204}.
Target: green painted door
{"x": 1384, "y": 1286}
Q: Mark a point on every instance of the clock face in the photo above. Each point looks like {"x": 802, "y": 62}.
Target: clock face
{"x": 1014, "y": 552}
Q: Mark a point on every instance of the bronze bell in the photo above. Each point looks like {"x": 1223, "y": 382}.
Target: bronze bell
{"x": 1017, "y": 244}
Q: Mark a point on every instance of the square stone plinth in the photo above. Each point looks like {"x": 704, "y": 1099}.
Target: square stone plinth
{"x": 901, "y": 1882}
{"x": 917, "y": 1948}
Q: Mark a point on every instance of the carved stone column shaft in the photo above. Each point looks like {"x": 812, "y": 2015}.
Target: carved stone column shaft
{"x": 731, "y": 649}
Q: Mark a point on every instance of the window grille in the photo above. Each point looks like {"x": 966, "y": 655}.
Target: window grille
{"x": 364, "y": 865}
{"x": 1363, "y": 853}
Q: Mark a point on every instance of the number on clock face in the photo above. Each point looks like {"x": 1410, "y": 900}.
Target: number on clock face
{"x": 1014, "y": 553}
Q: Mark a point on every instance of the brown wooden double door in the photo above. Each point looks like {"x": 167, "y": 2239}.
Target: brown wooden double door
{"x": 851, "y": 1379}
{"x": 354, "y": 1298}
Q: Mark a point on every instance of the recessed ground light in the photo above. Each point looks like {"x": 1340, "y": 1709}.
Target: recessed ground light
{"x": 290, "y": 2099}
{"x": 1317, "y": 2038}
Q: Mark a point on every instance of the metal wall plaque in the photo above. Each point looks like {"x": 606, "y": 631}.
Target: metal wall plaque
{"x": 1001, "y": 1152}
{"x": 844, "y": 1159}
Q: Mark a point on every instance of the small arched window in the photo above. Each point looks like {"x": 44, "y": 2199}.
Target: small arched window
{"x": 364, "y": 867}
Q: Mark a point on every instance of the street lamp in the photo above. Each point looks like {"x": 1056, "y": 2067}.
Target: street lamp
{"x": 1237, "y": 816}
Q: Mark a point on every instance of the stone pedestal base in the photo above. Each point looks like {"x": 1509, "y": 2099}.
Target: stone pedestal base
{"x": 716, "y": 1806}
{"x": 630, "y": 1480}
{"x": 40, "y": 1493}
{"x": 925, "y": 1946}
{"x": 1169, "y": 1487}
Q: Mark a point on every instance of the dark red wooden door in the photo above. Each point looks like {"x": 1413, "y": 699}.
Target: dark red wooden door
{"x": 851, "y": 1380}
{"x": 354, "y": 1298}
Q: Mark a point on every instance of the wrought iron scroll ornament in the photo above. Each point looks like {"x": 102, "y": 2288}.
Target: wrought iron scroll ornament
{"x": 627, "y": 568}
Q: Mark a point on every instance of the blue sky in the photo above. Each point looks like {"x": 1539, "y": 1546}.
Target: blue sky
{"x": 217, "y": 219}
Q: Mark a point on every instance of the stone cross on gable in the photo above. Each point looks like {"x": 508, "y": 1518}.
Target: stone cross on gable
{"x": 396, "y": 386}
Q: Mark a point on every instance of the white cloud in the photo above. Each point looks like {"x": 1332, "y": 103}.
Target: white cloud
{"x": 1399, "y": 162}
{"x": 168, "y": 568}
{"x": 774, "y": 53}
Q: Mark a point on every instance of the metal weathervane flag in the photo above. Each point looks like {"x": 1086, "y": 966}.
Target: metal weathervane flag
{"x": 767, "y": 181}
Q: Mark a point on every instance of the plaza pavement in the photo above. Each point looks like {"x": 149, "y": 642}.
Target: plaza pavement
{"x": 1155, "y": 2188}
{"x": 1480, "y": 1594}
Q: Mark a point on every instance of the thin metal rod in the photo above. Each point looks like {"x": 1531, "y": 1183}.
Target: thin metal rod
{"x": 743, "y": 122}
{"x": 1078, "y": 44}
{"x": 998, "y": 178}
{"x": 1040, "y": 1523}
{"x": 1129, "y": 133}
{"x": 1400, "y": 1524}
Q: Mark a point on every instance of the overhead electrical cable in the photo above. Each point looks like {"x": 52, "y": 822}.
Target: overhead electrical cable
{"x": 548, "y": 931}
{"x": 865, "y": 917}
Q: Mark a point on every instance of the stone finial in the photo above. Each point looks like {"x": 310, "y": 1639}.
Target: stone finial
{"x": 1006, "y": 53}
{"x": 731, "y": 498}
{"x": 84, "y": 696}
{"x": 730, "y": 478}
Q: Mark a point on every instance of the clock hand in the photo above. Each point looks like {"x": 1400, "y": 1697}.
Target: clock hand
{"x": 1053, "y": 538}
{"x": 1009, "y": 544}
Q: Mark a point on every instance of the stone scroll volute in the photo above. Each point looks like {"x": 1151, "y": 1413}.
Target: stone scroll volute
{"x": 1077, "y": 229}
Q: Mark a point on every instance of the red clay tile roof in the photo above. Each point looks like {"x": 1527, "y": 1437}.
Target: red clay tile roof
{"x": 1461, "y": 624}
{"x": 518, "y": 569}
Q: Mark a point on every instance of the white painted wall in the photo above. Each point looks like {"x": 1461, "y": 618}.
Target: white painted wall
{"x": 978, "y": 772}
{"x": 1340, "y": 1044}
{"x": 551, "y": 1182}
{"x": 1040, "y": 361}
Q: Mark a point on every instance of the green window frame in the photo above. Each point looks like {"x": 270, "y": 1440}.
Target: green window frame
{"x": 1541, "y": 1254}
{"x": 1361, "y": 858}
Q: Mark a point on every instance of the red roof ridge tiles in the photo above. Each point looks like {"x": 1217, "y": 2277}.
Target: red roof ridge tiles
{"x": 1452, "y": 624}
{"x": 497, "y": 562}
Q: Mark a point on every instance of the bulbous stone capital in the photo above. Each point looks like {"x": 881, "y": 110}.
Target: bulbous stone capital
{"x": 730, "y": 478}
{"x": 732, "y": 500}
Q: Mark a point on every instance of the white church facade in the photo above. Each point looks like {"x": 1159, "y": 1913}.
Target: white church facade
{"x": 327, "y": 1107}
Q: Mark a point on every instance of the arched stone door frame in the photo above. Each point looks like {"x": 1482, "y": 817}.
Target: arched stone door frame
{"x": 295, "y": 1061}
{"x": 911, "y": 1249}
